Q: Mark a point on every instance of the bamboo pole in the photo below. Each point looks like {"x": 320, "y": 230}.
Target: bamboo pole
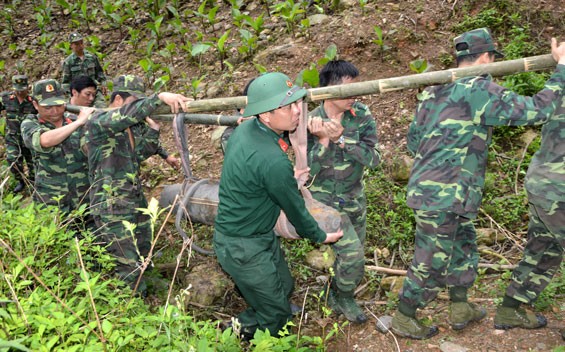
{"x": 503, "y": 68}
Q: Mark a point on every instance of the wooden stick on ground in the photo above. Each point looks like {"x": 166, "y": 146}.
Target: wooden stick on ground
{"x": 402, "y": 272}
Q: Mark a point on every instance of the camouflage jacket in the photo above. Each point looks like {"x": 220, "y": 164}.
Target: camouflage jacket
{"x": 339, "y": 172}
{"x": 61, "y": 171}
{"x": 146, "y": 141}
{"x": 15, "y": 111}
{"x": 546, "y": 174}
{"x": 113, "y": 158}
{"x": 451, "y": 132}
{"x": 74, "y": 66}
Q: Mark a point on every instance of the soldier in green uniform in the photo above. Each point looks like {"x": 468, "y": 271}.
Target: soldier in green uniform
{"x": 83, "y": 93}
{"x": 61, "y": 168}
{"x": 342, "y": 142}
{"x": 449, "y": 138}
{"x": 82, "y": 63}
{"x": 257, "y": 182}
{"x": 18, "y": 104}
{"x": 116, "y": 193}
{"x": 545, "y": 185}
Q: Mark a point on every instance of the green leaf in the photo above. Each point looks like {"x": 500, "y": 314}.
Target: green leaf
{"x": 331, "y": 52}
{"x": 212, "y": 14}
{"x": 312, "y": 77}
{"x": 141, "y": 332}
{"x": 145, "y": 64}
{"x": 222, "y": 41}
{"x": 107, "y": 326}
{"x": 199, "y": 49}
{"x": 419, "y": 65}
{"x": 14, "y": 344}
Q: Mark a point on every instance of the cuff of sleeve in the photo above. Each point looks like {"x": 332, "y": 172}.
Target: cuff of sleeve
{"x": 36, "y": 142}
{"x": 322, "y": 237}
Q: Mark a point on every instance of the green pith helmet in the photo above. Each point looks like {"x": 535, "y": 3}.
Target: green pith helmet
{"x": 19, "y": 82}
{"x": 48, "y": 92}
{"x": 129, "y": 84}
{"x": 271, "y": 91}
{"x": 475, "y": 42}
{"x": 75, "y": 37}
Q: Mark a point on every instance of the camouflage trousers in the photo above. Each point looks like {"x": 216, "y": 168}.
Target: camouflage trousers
{"x": 445, "y": 255}
{"x": 355, "y": 208}
{"x": 16, "y": 154}
{"x": 543, "y": 252}
{"x": 225, "y": 137}
{"x": 129, "y": 249}
{"x": 349, "y": 265}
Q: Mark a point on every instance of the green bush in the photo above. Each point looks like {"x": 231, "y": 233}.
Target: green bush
{"x": 57, "y": 294}
{"x": 49, "y": 301}
{"x": 390, "y": 222}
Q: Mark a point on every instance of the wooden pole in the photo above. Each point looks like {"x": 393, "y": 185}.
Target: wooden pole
{"x": 503, "y": 68}
{"x": 401, "y": 272}
{"x": 201, "y": 119}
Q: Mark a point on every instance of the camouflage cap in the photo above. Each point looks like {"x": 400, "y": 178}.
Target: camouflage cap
{"x": 48, "y": 92}
{"x": 19, "y": 82}
{"x": 475, "y": 42}
{"x": 130, "y": 84}
{"x": 271, "y": 91}
{"x": 75, "y": 37}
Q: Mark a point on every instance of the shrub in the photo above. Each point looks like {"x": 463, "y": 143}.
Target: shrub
{"x": 53, "y": 299}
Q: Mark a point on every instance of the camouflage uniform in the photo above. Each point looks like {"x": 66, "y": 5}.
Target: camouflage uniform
{"x": 449, "y": 137}
{"x": 16, "y": 151}
{"x": 338, "y": 173}
{"x": 116, "y": 191}
{"x": 545, "y": 184}
{"x": 61, "y": 178}
{"x": 338, "y": 182}
{"x": 147, "y": 142}
{"x": 74, "y": 66}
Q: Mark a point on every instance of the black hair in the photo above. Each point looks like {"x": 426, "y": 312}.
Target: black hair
{"x": 247, "y": 86}
{"x": 245, "y": 89}
{"x": 81, "y": 82}
{"x": 335, "y": 71}
{"x": 472, "y": 57}
{"x": 124, "y": 96}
